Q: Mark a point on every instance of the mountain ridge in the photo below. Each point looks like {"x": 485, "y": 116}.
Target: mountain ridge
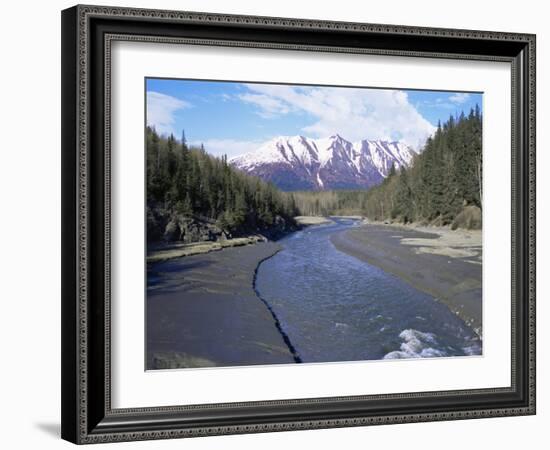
{"x": 302, "y": 163}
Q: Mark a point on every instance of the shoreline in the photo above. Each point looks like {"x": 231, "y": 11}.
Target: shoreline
{"x": 204, "y": 311}
{"x": 278, "y": 325}
{"x": 307, "y": 221}
{"x": 172, "y": 250}
{"x": 443, "y": 263}
{"x": 180, "y": 250}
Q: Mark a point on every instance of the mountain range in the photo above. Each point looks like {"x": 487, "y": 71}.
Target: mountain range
{"x": 300, "y": 163}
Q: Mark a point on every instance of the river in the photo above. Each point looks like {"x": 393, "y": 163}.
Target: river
{"x": 334, "y": 307}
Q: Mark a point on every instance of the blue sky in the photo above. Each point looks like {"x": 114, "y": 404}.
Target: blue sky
{"x": 234, "y": 118}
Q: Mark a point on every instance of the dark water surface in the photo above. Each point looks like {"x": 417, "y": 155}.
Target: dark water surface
{"x": 334, "y": 307}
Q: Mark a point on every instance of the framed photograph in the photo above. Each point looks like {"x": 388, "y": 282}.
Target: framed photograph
{"x": 278, "y": 224}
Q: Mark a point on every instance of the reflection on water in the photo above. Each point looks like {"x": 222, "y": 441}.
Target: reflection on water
{"x": 334, "y": 307}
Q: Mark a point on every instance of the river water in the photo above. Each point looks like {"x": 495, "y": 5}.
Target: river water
{"x": 334, "y": 307}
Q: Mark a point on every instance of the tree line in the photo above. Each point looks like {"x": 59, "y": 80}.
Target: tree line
{"x": 442, "y": 180}
{"x": 327, "y": 203}
{"x": 186, "y": 180}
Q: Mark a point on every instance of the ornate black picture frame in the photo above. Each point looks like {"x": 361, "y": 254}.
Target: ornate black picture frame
{"x": 87, "y": 34}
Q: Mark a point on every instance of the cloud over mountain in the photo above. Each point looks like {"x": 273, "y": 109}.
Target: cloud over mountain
{"x": 381, "y": 114}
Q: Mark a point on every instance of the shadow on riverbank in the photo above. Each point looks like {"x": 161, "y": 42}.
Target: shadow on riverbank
{"x": 202, "y": 311}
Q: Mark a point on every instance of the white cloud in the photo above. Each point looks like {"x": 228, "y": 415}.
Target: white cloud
{"x": 269, "y": 106}
{"x": 459, "y": 97}
{"x": 438, "y": 103}
{"x": 229, "y": 147}
{"x": 353, "y": 113}
{"x": 161, "y": 109}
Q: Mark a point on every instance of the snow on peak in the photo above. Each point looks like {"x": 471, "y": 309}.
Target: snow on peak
{"x": 327, "y": 161}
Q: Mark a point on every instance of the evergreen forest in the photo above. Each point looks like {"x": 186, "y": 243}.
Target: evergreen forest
{"x": 443, "y": 181}
{"x": 189, "y": 182}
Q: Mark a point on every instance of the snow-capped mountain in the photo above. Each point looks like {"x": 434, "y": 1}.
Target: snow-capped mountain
{"x": 300, "y": 163}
